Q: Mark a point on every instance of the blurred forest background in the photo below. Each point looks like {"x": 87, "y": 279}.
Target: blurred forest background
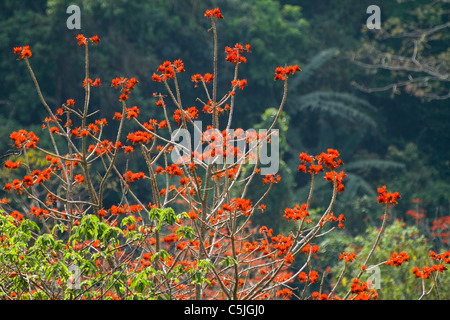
{"x": 380, "y": 97}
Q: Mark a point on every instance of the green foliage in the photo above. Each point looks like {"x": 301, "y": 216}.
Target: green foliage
{"x": 396, "y": 283}
{"x": 23, "y": 250}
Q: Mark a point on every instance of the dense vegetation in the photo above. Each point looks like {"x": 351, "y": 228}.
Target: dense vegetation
{"x": 398, "y": 135}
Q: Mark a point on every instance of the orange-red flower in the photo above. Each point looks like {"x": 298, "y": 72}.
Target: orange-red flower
{"x": 288, "y": 258}
{"x": 330, "y": 159}
{"x": 12, "y": 165}
{"x": 81, "y": 40}
{"x": 347, "y": 257}
{"x": 317, "y": 296}
{"x": 23, "y": 52}
{"x": 271, "y": 178}
{"x": 282, "y": 73}
{"x": 130, "y": 176}
{"x": 17, "y": 216}
{"x": 310, "y": 249}
{"x": 302, "y": 277}
{"x": 313, "y": 276}
{"x": 132, "y": 112}
{"x": 23, "y": 137}
{"x": 338, "y": 178}
{"x": 239, "y": 83}
{"x": 397, "y": 259}
{"x": 214, "y": 12}
{"x": 296, "y": 213}
{"x": 234, "y": 54}
{"x": 126, "y": 86}
{"x": 208, "y": 77}
{"x": 128, "y": 149}
{"x": 284, "y": 293}
{"x": 168, "y": 70}
{"x": 305, "y": 158}
{"x": 79, "y": 178}
{"x": 95, "y": 39}
{"x": 387, "y": 197}
{"x": 139, "y": 137}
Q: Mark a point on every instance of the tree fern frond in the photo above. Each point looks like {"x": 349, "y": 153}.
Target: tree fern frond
{"x": 336, "y": 108}
{"x": 353, "y": 183}
{"x": 346, "y": 98}
{"x": 326, "y": 136}
{"x": 374, "y": 163}
{"x": 352, "y": 141}
{"x": 316, "y": 62}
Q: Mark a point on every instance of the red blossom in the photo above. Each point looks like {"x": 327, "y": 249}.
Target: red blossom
{"x": 387, "y": 197}
{"x": 282, "y": 73}
{"x": 214, "y": 12}
{"x": 23, "y": 52}
{"x": 397, "y": 259}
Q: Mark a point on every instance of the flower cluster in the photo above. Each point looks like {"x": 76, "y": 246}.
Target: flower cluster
{"x": 317, "y": 296}
{"x": 306, "y": 159}
{"x": 426, "y": 271}
{"x": 92, "y": 83}
{"x": 82, "y": 40}
{"x": 126, "y": 86}
{"x": 397, "y": 259}
{"x": 361, "y": 289}
{"x": 23, "y": 52}
{"x": 208, "y": 108}
{"x": 239, "y": 83}
{"x": 336, "y": 178}
{"x": 207, "y": 78}
{"x": 271, "y": 178}
{"x": 132, "y": 112}
{"x": 12, "y": 165}
{"x": 438, "y": 228}
{"x": 167, "y": 70}
{"x": 282, "y": 73}
{"x": 329, "y": 160}
{"x": 130, "y": 176}
{"x": 190, "y": 113}
{"x": 416, "y": 215}
{"x": 241, "y": 205}
{"x": 234, "y": 54}
{"x": 139, "y": 137}
{"x": 29, "y": 180}
{"x": 23, "y": 137}
{"x": 296, "y": 213}
{"x": 387, "y": 197}
{"x": 347, "y": 257}
{"x": 282, "y": 243}
{"x": 310, "y": 249}
{"x": 444, "y": 257}
{"x": 312, "y": 277}
{"x": 213, "y": 12}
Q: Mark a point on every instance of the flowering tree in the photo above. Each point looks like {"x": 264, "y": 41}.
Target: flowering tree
{"x": 64, "y": 243}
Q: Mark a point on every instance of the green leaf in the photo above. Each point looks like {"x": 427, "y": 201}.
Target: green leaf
{"x": 168, "y": 215}
{"x": 185, "y": 232}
